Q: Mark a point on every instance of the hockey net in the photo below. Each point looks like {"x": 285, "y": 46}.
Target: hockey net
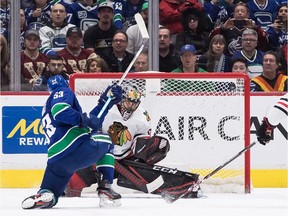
{"x": 206, "y": 117}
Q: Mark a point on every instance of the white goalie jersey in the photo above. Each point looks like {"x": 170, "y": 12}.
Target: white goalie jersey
{"x": 137, "y": 124}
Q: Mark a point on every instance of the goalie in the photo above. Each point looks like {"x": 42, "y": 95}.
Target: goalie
{"x": 136, "y": 153}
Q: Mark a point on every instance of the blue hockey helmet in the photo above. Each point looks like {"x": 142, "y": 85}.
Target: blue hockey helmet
{"x": 56, "y": 82}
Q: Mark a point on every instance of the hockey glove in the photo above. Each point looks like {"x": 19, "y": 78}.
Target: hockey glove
{"x": 115, "y": 91}
{"x": 264, "y": 132}
{"x": 93, "y": 122}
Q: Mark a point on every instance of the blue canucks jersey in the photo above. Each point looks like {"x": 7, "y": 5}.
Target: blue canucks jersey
{"x": 82, "y": 16}
{"x": 124, "y": 11}
{"x": 61, "y": 117}
{"x": 255, "y": 67}
{"x": 263, "y": 16}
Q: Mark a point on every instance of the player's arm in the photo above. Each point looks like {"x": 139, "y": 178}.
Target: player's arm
{"x": 273, "y": 118}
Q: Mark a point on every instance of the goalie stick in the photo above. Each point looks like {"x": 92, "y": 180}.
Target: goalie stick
{"x": 142, "y": 184}
{"x": 143, "y": 30}
{"x": 170, "y": 198}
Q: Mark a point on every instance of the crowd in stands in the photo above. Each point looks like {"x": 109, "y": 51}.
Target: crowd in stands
{"x": 196, "y": 36}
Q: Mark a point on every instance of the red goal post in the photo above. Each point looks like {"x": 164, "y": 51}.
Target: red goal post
{"x": 206, "y": 117}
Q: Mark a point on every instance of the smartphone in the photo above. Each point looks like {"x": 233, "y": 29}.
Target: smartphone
{"x": 279, "y": 19}
{"x": 239, "y": 23}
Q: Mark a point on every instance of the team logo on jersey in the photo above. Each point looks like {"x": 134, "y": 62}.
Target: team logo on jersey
{"x": 124, "y": 136}
{"x": 82, "y": 14}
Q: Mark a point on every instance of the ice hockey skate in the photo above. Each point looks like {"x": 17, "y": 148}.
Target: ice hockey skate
{"x": 108, "y": 197}
{"x": 44, "y": 199}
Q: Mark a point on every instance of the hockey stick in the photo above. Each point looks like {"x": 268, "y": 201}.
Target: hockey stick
{"x": 170, "y": 198}
{"x": 139, "y": 183}
{"x": 145, "y": 36}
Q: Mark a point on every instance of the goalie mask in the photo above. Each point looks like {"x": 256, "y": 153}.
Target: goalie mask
{"x": 130, "y": 101}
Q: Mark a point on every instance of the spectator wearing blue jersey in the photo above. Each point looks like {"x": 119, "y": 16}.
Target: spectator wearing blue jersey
{"x": 4, "y": 18}
{"x": 38, "y": 15}
{"x": 263, "y": 12}
{"x": 253, "y": 56}
{"x": 74, "y": 143}
{"x": 278, "y": 31}
{"x": 124, "y": 11}
{"x": 233, "y": 28}
{"x": 83, "y": 14}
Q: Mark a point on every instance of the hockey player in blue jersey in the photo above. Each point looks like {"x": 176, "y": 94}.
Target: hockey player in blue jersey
{"x": 71, "y": 146}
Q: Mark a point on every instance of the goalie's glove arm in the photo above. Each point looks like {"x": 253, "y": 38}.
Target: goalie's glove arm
{"x": 264, "y": 132}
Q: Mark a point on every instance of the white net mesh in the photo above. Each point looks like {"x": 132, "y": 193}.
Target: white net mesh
{"x": 203, "y": 116}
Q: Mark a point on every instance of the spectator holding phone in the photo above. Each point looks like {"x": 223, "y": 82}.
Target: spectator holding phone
{"x": 277, "y": 32}
{"x": 232, "y": 30}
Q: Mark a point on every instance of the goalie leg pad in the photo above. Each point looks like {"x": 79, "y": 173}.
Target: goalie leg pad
{"x": 151, "y": 149}
{"x": 175, "y": 181}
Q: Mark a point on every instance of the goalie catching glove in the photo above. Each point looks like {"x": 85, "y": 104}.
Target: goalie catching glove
{"x": 264, "y": 132}
{"x": 119, "y": 133}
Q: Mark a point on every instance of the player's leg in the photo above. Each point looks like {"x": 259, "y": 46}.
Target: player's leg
{"x": 105, "y": 166}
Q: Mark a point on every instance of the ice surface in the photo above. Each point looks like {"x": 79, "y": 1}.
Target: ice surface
{"x": 261, "y": 202}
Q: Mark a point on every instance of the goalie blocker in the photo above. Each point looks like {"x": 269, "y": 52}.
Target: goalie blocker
{"x": 140, "y": 172}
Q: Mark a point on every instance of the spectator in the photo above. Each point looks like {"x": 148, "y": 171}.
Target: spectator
{"x": 170, "y": 13}
{"x": 193, "y": 32}
{"x": 263, "y": 12}
{"x": 39, "y": 14}
{"x": 96, "y": 64}
{"x": 283, "y": 58}
{"x": 232, "y": 30}
{"x": 217, "y": 12}
{"x": 27, "y": 3}
{"x": 53, "y": 35}
{"x": 83, "y": 14}
{"x": 33, "y": 63}
{"x": 253, "y": 56}
{"x": 188, "y": 59}
{"x": 134, "y": 36}
{"x": 141, "y": 63}
{"x": 239, "y": 65}
{"x": 125, "y": 11}
{"x": 65, "y": 3}
{"x": 75, "y": 57}
{"x": 55, "y": 67}
{"x": 215, "y": 60}
{"x": 118, "y": 59}
{"x": 167, "y": 60}
{"x": 4, "y": 62}
{"x": 23, "y": 28}
{"x": 270, "y": 80}
{"x": 278, "y": 31}
{"x": 4, "y": 18}
{"x": 99, "y": 37}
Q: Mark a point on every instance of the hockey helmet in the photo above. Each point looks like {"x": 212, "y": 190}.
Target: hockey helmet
{"x": 131, "y": 97}
{"x": 56, "y": 82}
